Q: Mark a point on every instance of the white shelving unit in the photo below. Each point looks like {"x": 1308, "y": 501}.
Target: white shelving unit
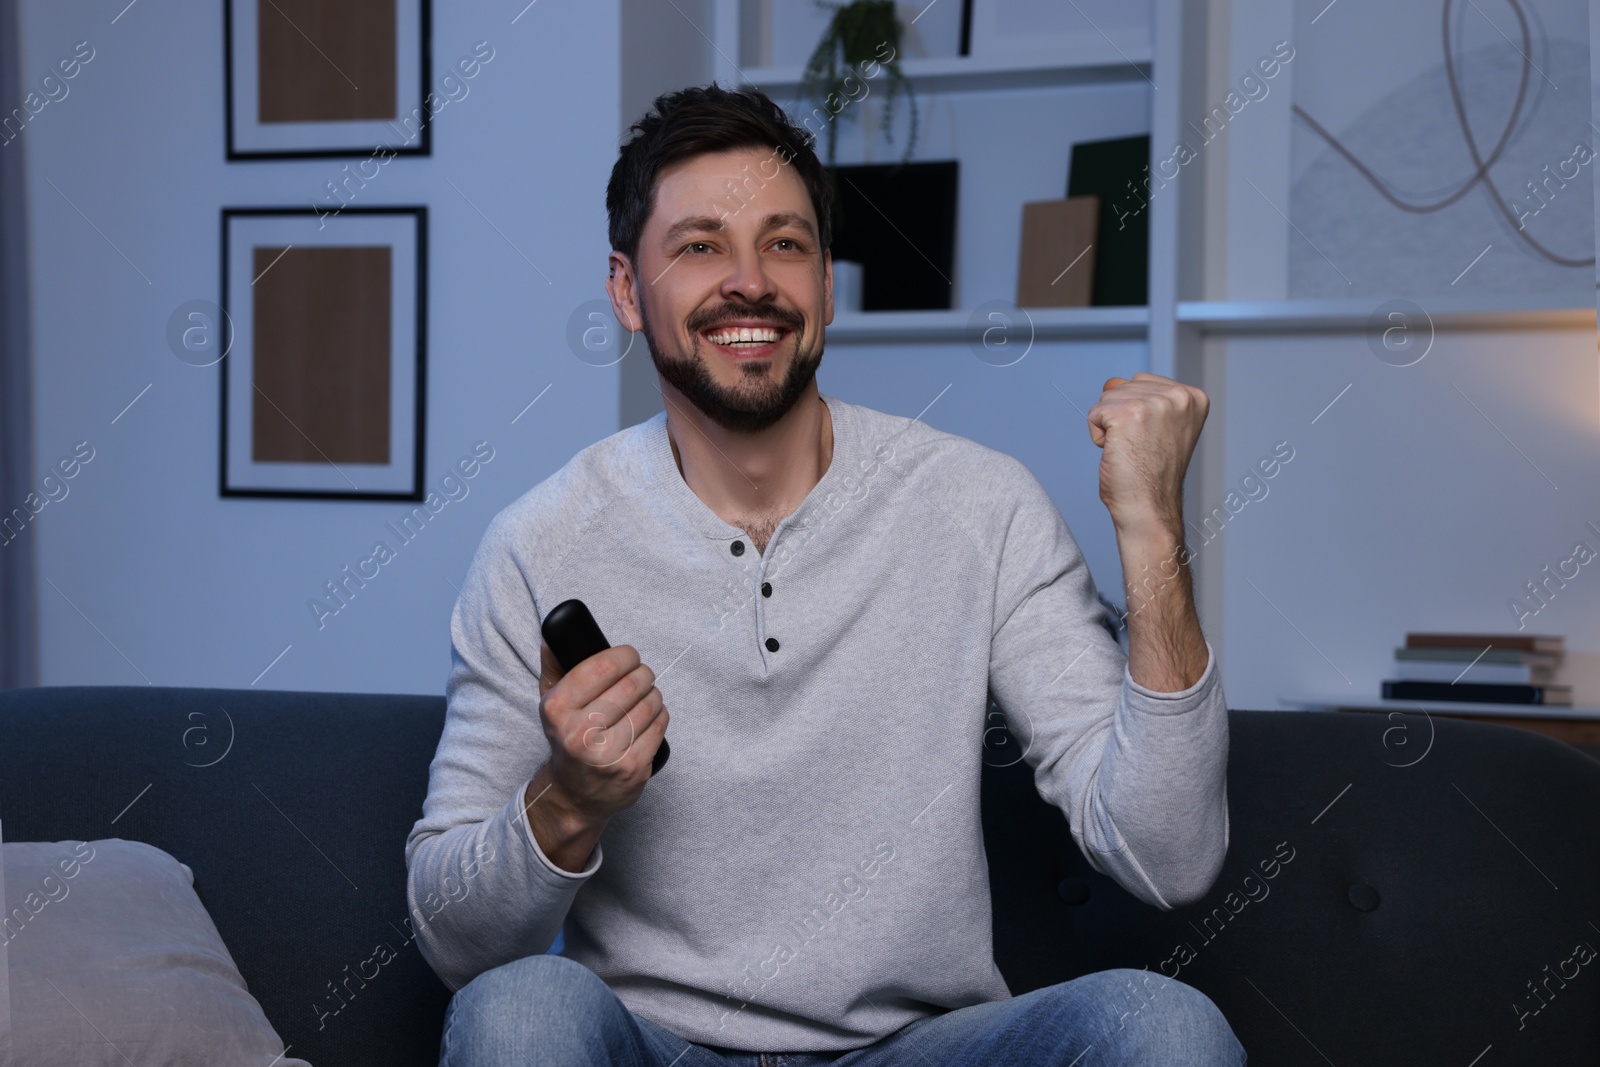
{"x": 963, "y": 73}
{"x": 1049, "y": 324}
{"x": 1294, "y": 316}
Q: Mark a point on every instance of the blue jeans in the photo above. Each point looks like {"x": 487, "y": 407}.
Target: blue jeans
{"x": 550, "y": 1010}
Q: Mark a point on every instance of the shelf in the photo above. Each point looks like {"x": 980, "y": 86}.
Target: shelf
{"x": 1445, "y": 707}
{"x": 1090, "y": 66}
{"x": 1049, "y": 324}
{"x": 1293, "y": 316}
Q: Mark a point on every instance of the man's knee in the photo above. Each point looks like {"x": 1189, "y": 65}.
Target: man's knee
{"x": 537, "y": 977}
{"x": 544, "y": 1002}
{"x": 1159, "y": 1019}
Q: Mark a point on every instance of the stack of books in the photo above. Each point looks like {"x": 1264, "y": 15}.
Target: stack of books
{"x": 1488, "y": 668}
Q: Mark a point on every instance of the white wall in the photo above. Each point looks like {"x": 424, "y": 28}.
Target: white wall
{"x": 664, "y": 47}
{"x": 1405, "y": 508}
{"x": 147, "y": 575}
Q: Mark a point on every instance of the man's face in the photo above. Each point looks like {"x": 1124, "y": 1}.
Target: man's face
{"x": 730, "y": 286}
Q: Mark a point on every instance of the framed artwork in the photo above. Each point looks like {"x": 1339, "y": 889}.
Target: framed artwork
{"x": 324, "y": 390}
{"x": 307, "y": 78}
{"x": 1449, "y": 175}
{"x": 1007, "y": 31}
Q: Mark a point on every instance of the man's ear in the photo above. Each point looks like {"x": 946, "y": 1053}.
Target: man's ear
{"x": 827, "y": 287}
{"x": 623, "y": 288}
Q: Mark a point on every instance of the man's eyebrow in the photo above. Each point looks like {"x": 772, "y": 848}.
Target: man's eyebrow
{"x": 712, "y": 224}
{"x": 692, "y": 224}
{"x": 789, "y": 218}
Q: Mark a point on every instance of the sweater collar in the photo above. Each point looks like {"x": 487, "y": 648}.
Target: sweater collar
{"x": 664, "y": 472}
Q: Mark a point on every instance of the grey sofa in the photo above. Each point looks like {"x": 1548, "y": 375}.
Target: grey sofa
{"x": 1397, "y": 891}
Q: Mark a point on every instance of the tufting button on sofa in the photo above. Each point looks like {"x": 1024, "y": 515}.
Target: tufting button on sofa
{"x": 1074, "y": 891}
{"x": 1363, "y": 897}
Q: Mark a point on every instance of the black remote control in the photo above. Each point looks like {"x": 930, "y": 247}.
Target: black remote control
{"x": 573, "y": 635}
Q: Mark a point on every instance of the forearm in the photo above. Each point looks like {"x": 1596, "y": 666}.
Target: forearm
{"x": 565, "y": 837}
{"x": 1166, "y": 649}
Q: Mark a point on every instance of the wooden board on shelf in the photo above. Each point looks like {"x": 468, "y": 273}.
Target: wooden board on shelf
{"x": 1056, "y": 265}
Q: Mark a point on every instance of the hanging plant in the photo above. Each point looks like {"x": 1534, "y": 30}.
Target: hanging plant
{"x": 863, "y": 35}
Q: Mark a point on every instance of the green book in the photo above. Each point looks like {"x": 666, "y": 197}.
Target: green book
{"x": 1115, "y": 171}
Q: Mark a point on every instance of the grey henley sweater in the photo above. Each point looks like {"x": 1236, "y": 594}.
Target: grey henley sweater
{"x": 807, "y": 872}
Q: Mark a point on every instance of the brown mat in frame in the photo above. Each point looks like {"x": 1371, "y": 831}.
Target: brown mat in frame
{"x": 321, "y": 355}
{"x": 326, "y": 62}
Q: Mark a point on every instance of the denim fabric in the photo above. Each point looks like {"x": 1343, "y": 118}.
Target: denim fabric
{"x": 553, "y": 1011}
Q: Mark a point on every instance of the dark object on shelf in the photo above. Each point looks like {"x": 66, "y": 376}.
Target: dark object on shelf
{"x": 1115, "y": 171}
{"x": 1473, "y": 692}
{"x": 898, "y": 220}
{"x": 966, "y": 27}
{"x": 1056, "y": 266}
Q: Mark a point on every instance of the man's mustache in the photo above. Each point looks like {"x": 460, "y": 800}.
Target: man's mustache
{"x": 713, "y": 317}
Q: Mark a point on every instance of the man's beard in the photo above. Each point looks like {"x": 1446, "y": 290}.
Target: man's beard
{"x": 760, "y": 402}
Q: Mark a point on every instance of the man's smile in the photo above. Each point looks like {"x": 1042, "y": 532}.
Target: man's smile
{"x": 746, "y": 339}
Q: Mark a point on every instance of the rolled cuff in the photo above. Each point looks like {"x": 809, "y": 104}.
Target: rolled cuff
{"x": 1181, "y": 701}
{"x": 595, "y": 857}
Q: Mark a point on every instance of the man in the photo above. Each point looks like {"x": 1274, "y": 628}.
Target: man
{"x": 825, "y": 594}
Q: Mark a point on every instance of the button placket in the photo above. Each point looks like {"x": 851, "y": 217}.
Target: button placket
{"x": 737, "y": 548}
{"x": 770, "y": 643}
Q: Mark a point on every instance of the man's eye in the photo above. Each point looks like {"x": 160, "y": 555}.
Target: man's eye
{"x": 791, "y": 242}
{"x": 697, "y": 247}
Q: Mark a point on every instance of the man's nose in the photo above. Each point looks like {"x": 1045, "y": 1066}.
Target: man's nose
{"x": 747, "y": 276}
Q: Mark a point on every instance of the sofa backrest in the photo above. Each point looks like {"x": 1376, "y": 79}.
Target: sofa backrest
{"x": 291, "y": 808}
{"x": 1392, "y": 888}
{"x": 1396, "y": 888}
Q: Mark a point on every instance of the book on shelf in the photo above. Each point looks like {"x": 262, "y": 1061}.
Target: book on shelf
{"x": 1468, "y": 655}
{"x": 1454, "y": 671}
{"x": 1112, "y": 170}
{"x": 1518, "y": 642}
{"x": 1470, "y": 693}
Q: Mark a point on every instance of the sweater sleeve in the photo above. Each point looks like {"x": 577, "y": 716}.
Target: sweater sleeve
{"x": 1141, "y": 776}
{"x": 480, "y": 890}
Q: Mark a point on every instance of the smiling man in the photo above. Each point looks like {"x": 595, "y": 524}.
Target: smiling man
{"x": 830, "y": 594}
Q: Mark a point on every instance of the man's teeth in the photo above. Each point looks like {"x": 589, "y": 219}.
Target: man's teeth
{"x": 743, "y": 335}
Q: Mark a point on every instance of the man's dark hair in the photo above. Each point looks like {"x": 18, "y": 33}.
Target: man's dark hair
{"x": 698, "y": 120}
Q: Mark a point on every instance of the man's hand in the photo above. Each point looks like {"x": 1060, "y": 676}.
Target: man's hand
{"x": 604, "y": 721}
{"x": 1147, "y": 427}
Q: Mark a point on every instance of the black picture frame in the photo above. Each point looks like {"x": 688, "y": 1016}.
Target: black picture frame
{"x": 898, "y": 220}
{"x": 419, "y": 321}
{"x": 423, "y": 147}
